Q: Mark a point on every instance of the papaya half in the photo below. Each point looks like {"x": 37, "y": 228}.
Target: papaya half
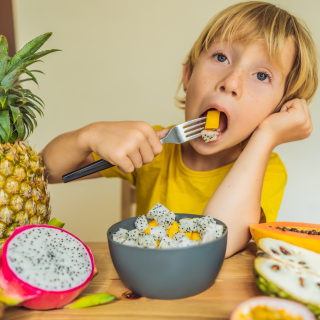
{"x": 305, "y": 235}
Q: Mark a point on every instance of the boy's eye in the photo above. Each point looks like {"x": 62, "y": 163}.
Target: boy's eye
{"x": 262, "y": 77}
{"x": 221, "y": 57}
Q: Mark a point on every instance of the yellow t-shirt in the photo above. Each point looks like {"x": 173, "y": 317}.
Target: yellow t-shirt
{"x": 168, "y": 181}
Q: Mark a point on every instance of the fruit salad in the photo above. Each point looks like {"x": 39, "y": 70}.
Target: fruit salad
{"x": 158, "y": 229}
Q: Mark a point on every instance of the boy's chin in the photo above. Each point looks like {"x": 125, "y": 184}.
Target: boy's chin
{"x": 204, "y": 148}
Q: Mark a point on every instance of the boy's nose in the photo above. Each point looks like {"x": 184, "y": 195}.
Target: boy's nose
{"x": 232, "y": 84}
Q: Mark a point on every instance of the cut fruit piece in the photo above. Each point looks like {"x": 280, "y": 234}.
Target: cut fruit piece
{"x": 174, "y": 228}
{"x": 90, "y": 301}
{"x": 277, "y": 279}
{"x": 30, "y": 261}
{"x": 209, "y": 135}
{"x": 288, "y": 253}
{"x": 303, "y": 235}
{"x": 271, "y": 309}
{"x": 212, "y": 121}
{"x": 195, "y": 236}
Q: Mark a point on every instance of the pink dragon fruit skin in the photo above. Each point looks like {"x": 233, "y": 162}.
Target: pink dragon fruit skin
{"x": 17, "y": 292}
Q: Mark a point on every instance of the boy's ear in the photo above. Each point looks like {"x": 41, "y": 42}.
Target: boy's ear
{"x": 186, "y": 75}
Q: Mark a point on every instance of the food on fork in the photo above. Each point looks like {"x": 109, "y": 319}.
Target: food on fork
{"x": 212, "y": 123}
{"x": 213, "y": 117}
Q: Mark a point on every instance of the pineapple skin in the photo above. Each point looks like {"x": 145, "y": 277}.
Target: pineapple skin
{"x": 24, "y": 199}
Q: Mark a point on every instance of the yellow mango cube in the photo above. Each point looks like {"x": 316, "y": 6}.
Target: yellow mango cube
{"x": 195, "y": 236}
{"x": 158, "y": 242}
{"x": 174, "y": 228}
{"x": 153, "y": 223}
{"x": 213, "y": 117}
{"x": 188, "y": 234}
{"x": 147, "y": 230}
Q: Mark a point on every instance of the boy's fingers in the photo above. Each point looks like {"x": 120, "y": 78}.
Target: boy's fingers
{"x": 162, "y": 133}
{"x": 146, "y": 152}
{"x": 136, "y": 159}
{"x": 154, "y": 140}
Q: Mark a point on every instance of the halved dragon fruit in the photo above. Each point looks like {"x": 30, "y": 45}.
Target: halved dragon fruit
{"x": 44, "y": 267}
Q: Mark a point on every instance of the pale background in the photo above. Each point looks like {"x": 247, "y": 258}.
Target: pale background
{"x": 121, "y": 60}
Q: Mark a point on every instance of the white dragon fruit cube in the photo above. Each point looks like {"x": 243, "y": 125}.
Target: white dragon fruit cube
{"x": 159, "y": 232}
{"x": 133, "y": 235}
{"x": 179, "y": 236}
{"x": 157, "y": 210}
{"x": 219, "y": 230}
{"x": 131, "y": 243}
{"x": 188, "y": 225}
{"x": 167, "y": 242}
{"x": 203, "y": 222}
{"x": 165, "y": 220}
{"x": 211, "y": 232}
{"x": 141, "y": 223}
{"x": 120, "y": 236}
{"x": 186, "y": 243}
{"x": 122, "y": 233}
{"x": 147, "y": 240}
{"x": 118, "y": 239}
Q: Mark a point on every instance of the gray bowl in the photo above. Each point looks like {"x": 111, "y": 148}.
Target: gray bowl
{"x": 167, "y": 273}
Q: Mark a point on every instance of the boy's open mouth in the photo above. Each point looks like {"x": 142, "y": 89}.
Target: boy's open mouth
{"x": 223, "y": 120}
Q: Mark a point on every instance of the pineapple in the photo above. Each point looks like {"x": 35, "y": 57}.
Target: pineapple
{"x": 23, "y": 185}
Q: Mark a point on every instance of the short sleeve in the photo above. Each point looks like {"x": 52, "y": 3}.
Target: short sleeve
{"x": 274, "y": 182}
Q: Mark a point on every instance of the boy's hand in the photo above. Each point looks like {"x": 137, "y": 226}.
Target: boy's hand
{"x": 127, "y": 144}
{"x": 292, "y": 123}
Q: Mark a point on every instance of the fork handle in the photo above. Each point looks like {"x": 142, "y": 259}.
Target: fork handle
{"x": 85, "y": 171}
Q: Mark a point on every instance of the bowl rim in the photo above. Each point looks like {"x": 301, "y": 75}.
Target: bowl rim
{"x": 225, "y": 234}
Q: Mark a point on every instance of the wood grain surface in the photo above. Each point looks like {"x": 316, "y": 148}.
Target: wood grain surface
{"x": 234, "y": 284}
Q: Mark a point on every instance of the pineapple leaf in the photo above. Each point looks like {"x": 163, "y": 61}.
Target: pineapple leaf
{"x": 19, "y": 127}
{"x": 17, "y": 92}
{"x": 29, "y": 49}
{"x": 34, "y": 57}
{"x": 32, "y": 95}
{"x": 25, "y": 80}
{"x": 13, "y": 137}
{"x": 3, "y": 135}
{"x": 12, "y": 99}
{"x": 34, "y": 101}
{"x": 28, "y": 111}
{"x": 3, "y": 56}
{"x": 11, "y": 77}
{"x": 3, "y": 100}
{"x": 15, "y": 113}
{"x": 5, "y": 121}
{"x": 37, "y": 71}
{"x": 28, "y": 122}
{"x": 32, "y": 105}
{"x": 32, "y": 76}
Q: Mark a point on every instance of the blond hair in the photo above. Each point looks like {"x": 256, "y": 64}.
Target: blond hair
{"x": 254, "y": 21}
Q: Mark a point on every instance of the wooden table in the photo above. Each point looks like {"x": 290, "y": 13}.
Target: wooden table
{"x": 234, "y": 284}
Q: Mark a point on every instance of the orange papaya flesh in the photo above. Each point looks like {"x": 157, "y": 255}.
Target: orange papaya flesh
{"x": 305, "y": 235}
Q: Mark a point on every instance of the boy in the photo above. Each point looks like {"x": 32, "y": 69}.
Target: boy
{"x": 251, "y": 61}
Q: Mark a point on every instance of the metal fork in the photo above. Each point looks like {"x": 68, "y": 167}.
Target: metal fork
{"x": 178, "y": 134}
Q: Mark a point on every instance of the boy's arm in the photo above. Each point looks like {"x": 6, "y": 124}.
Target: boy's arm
{"x": 127, "y": 144}
{"x": 66, "y": 153}
{"x": 236, "y": 202}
